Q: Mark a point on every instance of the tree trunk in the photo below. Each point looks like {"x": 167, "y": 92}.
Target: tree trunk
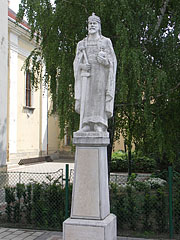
{"x": 129, "y": 162}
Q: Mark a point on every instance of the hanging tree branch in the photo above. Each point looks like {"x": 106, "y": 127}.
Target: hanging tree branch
{"x": 162, "y": 10}
{"x": 80, "y": 4}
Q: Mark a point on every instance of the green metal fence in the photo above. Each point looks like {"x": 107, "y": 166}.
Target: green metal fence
{"x": 34, "y": 200}
{"x": 145, "y": 206}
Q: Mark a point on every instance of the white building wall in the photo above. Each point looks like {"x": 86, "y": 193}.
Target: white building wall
{"x": 13, "y": 71}
{"x": 3, "y": 79}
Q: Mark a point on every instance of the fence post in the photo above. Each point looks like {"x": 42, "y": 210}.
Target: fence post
{"x": 67, "y": 192}
{"x": 20, "y": 177}
{"x": 170, "y": 174}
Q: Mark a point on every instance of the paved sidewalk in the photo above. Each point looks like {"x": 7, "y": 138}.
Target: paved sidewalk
{"x": 28, "y": 234}
{"x": 45, "y": 167}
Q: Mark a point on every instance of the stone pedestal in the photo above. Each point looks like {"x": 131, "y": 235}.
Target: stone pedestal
{"x": 90, "y": 211}
{"x": 81, "y": 229}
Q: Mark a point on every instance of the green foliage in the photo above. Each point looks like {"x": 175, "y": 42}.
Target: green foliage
{"x": 20, "y": 189}
{"x": 147, "y": 209}
{"x": 10, "y": 199}
{"x": 140, "y": 207}
{"x": 176, "y": 200}
{"x": 145, "y": 39}
{"x": 118, "y": 204}
{"x": 39, "y": 205}
{"x": 39, "y": 212}
{"x": 119, "y": 162}
{"x": 140, "y": 163}
{"x": 27, "y": 203}
{"x": 161, "y": 215}
{"x": 132, "y": 208}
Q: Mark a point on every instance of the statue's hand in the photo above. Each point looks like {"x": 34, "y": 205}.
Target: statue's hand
{"x": 85, "y": 67}
{"x": 102, "y": 59}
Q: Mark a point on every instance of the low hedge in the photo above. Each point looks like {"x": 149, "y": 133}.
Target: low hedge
{"x": 140, "y": 163}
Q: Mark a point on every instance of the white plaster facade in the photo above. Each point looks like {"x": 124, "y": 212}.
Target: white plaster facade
{"x": 27, "y": 135}
{"x": 13, "y": 79}
{"x": 3, "y": 80}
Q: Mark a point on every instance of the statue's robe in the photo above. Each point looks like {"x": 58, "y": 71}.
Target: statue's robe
{"x": 100, "y": 86}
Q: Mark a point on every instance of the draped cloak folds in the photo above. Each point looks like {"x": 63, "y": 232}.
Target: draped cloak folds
{"x": 100, "y": 86}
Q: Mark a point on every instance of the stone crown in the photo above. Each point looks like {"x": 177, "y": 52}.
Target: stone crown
{"x": 93, "y": 17}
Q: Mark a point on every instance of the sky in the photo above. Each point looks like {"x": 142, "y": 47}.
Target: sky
{"x": 14, "y": 5}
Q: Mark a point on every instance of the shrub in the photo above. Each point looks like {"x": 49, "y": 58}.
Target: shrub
{"x": 140, "y": 206}
{"x": 118, "y": 204}
{"x": 119, "y": 162}
{"x": 176, "y": 201}
{"x": 140, "y": 163}
{"x": 39, "y": 204}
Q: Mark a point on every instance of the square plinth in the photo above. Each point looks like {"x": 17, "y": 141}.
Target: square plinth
{"x": 82, "y": 229}
{"x": 90, "y": 198}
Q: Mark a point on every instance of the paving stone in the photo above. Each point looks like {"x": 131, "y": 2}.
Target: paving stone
{"x": 2, "y": 229}
{"x": 30, "y": 238}
{"x": 55, "y": 238}
{"x": 26, "y": 234}
{"x": 49, "y": 234}
{"x": 19, "y": 232}
{"x": 30, "y": 232}
{"x": 12, "y": 229}
{"x": 11, "y": 236}
{"x": 37, "y": 233}
{"x": 3, "y": 234}
{"x": 18, "y": 238}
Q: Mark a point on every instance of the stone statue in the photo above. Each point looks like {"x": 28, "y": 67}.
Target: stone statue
{"x": 95, "y": 72}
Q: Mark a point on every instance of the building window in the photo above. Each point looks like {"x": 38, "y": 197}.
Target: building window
{"x": 28, "y": 89}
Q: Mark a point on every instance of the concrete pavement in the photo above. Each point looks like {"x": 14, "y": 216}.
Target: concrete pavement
{"x": 45, "y": 167}
{"x": 28, "y": 234}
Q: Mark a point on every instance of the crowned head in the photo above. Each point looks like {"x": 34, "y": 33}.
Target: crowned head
{"x": 94, "y": 24}
{"x": 95, "y": 18}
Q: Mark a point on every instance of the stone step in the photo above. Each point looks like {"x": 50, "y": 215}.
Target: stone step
{"x": 35, "y": 160}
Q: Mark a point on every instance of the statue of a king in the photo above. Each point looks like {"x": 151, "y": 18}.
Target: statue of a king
{"x": 95, "y": 73}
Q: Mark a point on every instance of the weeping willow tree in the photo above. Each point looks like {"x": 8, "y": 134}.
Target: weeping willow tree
{"x": 145, "y": 39}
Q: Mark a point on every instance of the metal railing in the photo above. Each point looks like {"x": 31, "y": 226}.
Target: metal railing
{"x": 12, "y": 178}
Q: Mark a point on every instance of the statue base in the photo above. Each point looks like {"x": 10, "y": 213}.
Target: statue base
{"x": 90, "y": 210}
{"x": 90, "y": 199}
{"x": 90, "y": 229}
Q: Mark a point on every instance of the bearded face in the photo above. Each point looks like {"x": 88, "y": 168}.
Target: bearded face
{"x": 93, "y": 27}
